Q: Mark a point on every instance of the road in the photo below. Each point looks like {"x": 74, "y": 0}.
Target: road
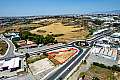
{"x": 57, "y": 73}
{"x": 61, "y": 73}
{"x": 10, "y": 51}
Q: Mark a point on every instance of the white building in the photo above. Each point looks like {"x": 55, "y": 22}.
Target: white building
{"x": 12, "y": 64}
{"x": 105, "y": 52}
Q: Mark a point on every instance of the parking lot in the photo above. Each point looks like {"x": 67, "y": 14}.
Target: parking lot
{"x": 94, "y": 58}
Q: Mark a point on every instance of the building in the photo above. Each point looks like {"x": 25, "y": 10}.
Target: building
{"x": 12, "y": 36}
{"x": 26, "y": 44}
{"x": 12, "y": 64}
{"x": 115, "y": 36}
{"x": 105, "y": 52}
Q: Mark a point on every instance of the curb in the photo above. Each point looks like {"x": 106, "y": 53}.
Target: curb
{"x": 7, "y": 48}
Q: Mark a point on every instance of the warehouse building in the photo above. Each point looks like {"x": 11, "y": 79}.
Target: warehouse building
{"x": 105, "y": 52}
{"x": 12, "y": 65}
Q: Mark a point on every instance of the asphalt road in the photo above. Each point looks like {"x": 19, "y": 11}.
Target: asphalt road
{"x": 61, "y": 73}
{"x": 10, "y": 52}
{"x": 57, "y": 73}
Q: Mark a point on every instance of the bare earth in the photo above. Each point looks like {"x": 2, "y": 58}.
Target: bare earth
{"x": 62, "y": 55}
{"x": 41, "y": 66}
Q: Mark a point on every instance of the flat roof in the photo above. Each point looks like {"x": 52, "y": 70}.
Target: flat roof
{"x": 115, "y": 35}
{"x": 13, "y": 63}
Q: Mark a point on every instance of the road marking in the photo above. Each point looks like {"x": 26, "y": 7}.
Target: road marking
{"x": 69, "y": 66}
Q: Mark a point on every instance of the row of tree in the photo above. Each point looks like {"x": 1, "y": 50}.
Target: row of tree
{"x": 39, "y": 39}
{"x": 114, "y": 67}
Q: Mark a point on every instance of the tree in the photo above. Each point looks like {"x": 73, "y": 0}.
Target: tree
{"x": 39, "y": 39}
{"x": 83, "y": 77}
{"x": 95, "y": 78}
{"x": 49, "y": 39}
{"x": 25, "y": 34}
{"x": 26, "y": 57}
{"x": 16, "y": 45}
{"x": 98, "y": 22}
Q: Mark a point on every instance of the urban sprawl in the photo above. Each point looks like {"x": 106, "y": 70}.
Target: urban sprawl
{"x": 61, "y": 47}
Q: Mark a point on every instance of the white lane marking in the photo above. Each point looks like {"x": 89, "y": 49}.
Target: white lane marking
{"x": 69, "y": 66}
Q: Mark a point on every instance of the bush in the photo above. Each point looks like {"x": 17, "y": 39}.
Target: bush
{"x": 57, "y": 35}
{"x": 114, "y": 67}
{"x": 100, "y": 65}
{"x": 39, "y": 39}
{"x": 15, "y": 43}
{"x": 95, "y": 78}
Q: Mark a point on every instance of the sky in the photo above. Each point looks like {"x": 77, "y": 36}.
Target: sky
{"x": 55, "y": 7}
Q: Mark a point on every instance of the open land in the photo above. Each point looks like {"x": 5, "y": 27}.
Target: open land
{"x": 3, "y": 47}
{"x": 41, "y": 66}
{"x": 60, "y": 56}
{"x": 101, "y": 73}
{"x": 95, "y": 71}
{"x": 70, "y": 32}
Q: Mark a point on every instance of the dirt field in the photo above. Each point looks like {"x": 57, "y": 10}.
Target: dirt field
{"x": 101, "y": 73}
{"x": 70, "y": 32}
{"x": 41, "y": 66}
{"x": 62, "y": 56}
{"x": 95, "y": 71}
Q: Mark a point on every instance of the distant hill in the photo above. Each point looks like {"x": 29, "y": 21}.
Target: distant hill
{"x": 107, "y": 12}
{"x": 113, "y": 12}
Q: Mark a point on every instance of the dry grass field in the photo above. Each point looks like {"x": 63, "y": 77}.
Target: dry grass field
{"x": 101, "y": 73}
{"x": 94, "y": 71}
{"x": 3, "y": 47}
{"x": 70, "y": 32}
{"x": 2, "y": 30}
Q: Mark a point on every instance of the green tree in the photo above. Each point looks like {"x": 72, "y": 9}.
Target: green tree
{"x": 98, "y": 22}
{"x": 95, "y": 78}
{"x": 16, "y": 45}
{"x": 49, "y": 39}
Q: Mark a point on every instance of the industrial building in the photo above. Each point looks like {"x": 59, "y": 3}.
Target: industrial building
{"x": 105, "y": 52}
{"x": 12, "y": 64}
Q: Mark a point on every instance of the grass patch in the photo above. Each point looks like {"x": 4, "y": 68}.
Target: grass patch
{"x": 82, "y": 74}
{"x": 35, "y": 58}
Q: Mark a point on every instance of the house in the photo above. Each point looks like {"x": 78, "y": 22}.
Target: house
{"x": 26, "y": 44}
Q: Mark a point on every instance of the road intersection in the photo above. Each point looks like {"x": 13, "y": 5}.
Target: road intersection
{"x": 61, "y": 73}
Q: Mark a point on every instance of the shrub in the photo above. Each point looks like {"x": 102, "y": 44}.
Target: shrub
{"x": 114, "y": 67}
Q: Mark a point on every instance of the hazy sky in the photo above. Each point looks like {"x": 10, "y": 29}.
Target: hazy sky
{"x": 51, "y": 7}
